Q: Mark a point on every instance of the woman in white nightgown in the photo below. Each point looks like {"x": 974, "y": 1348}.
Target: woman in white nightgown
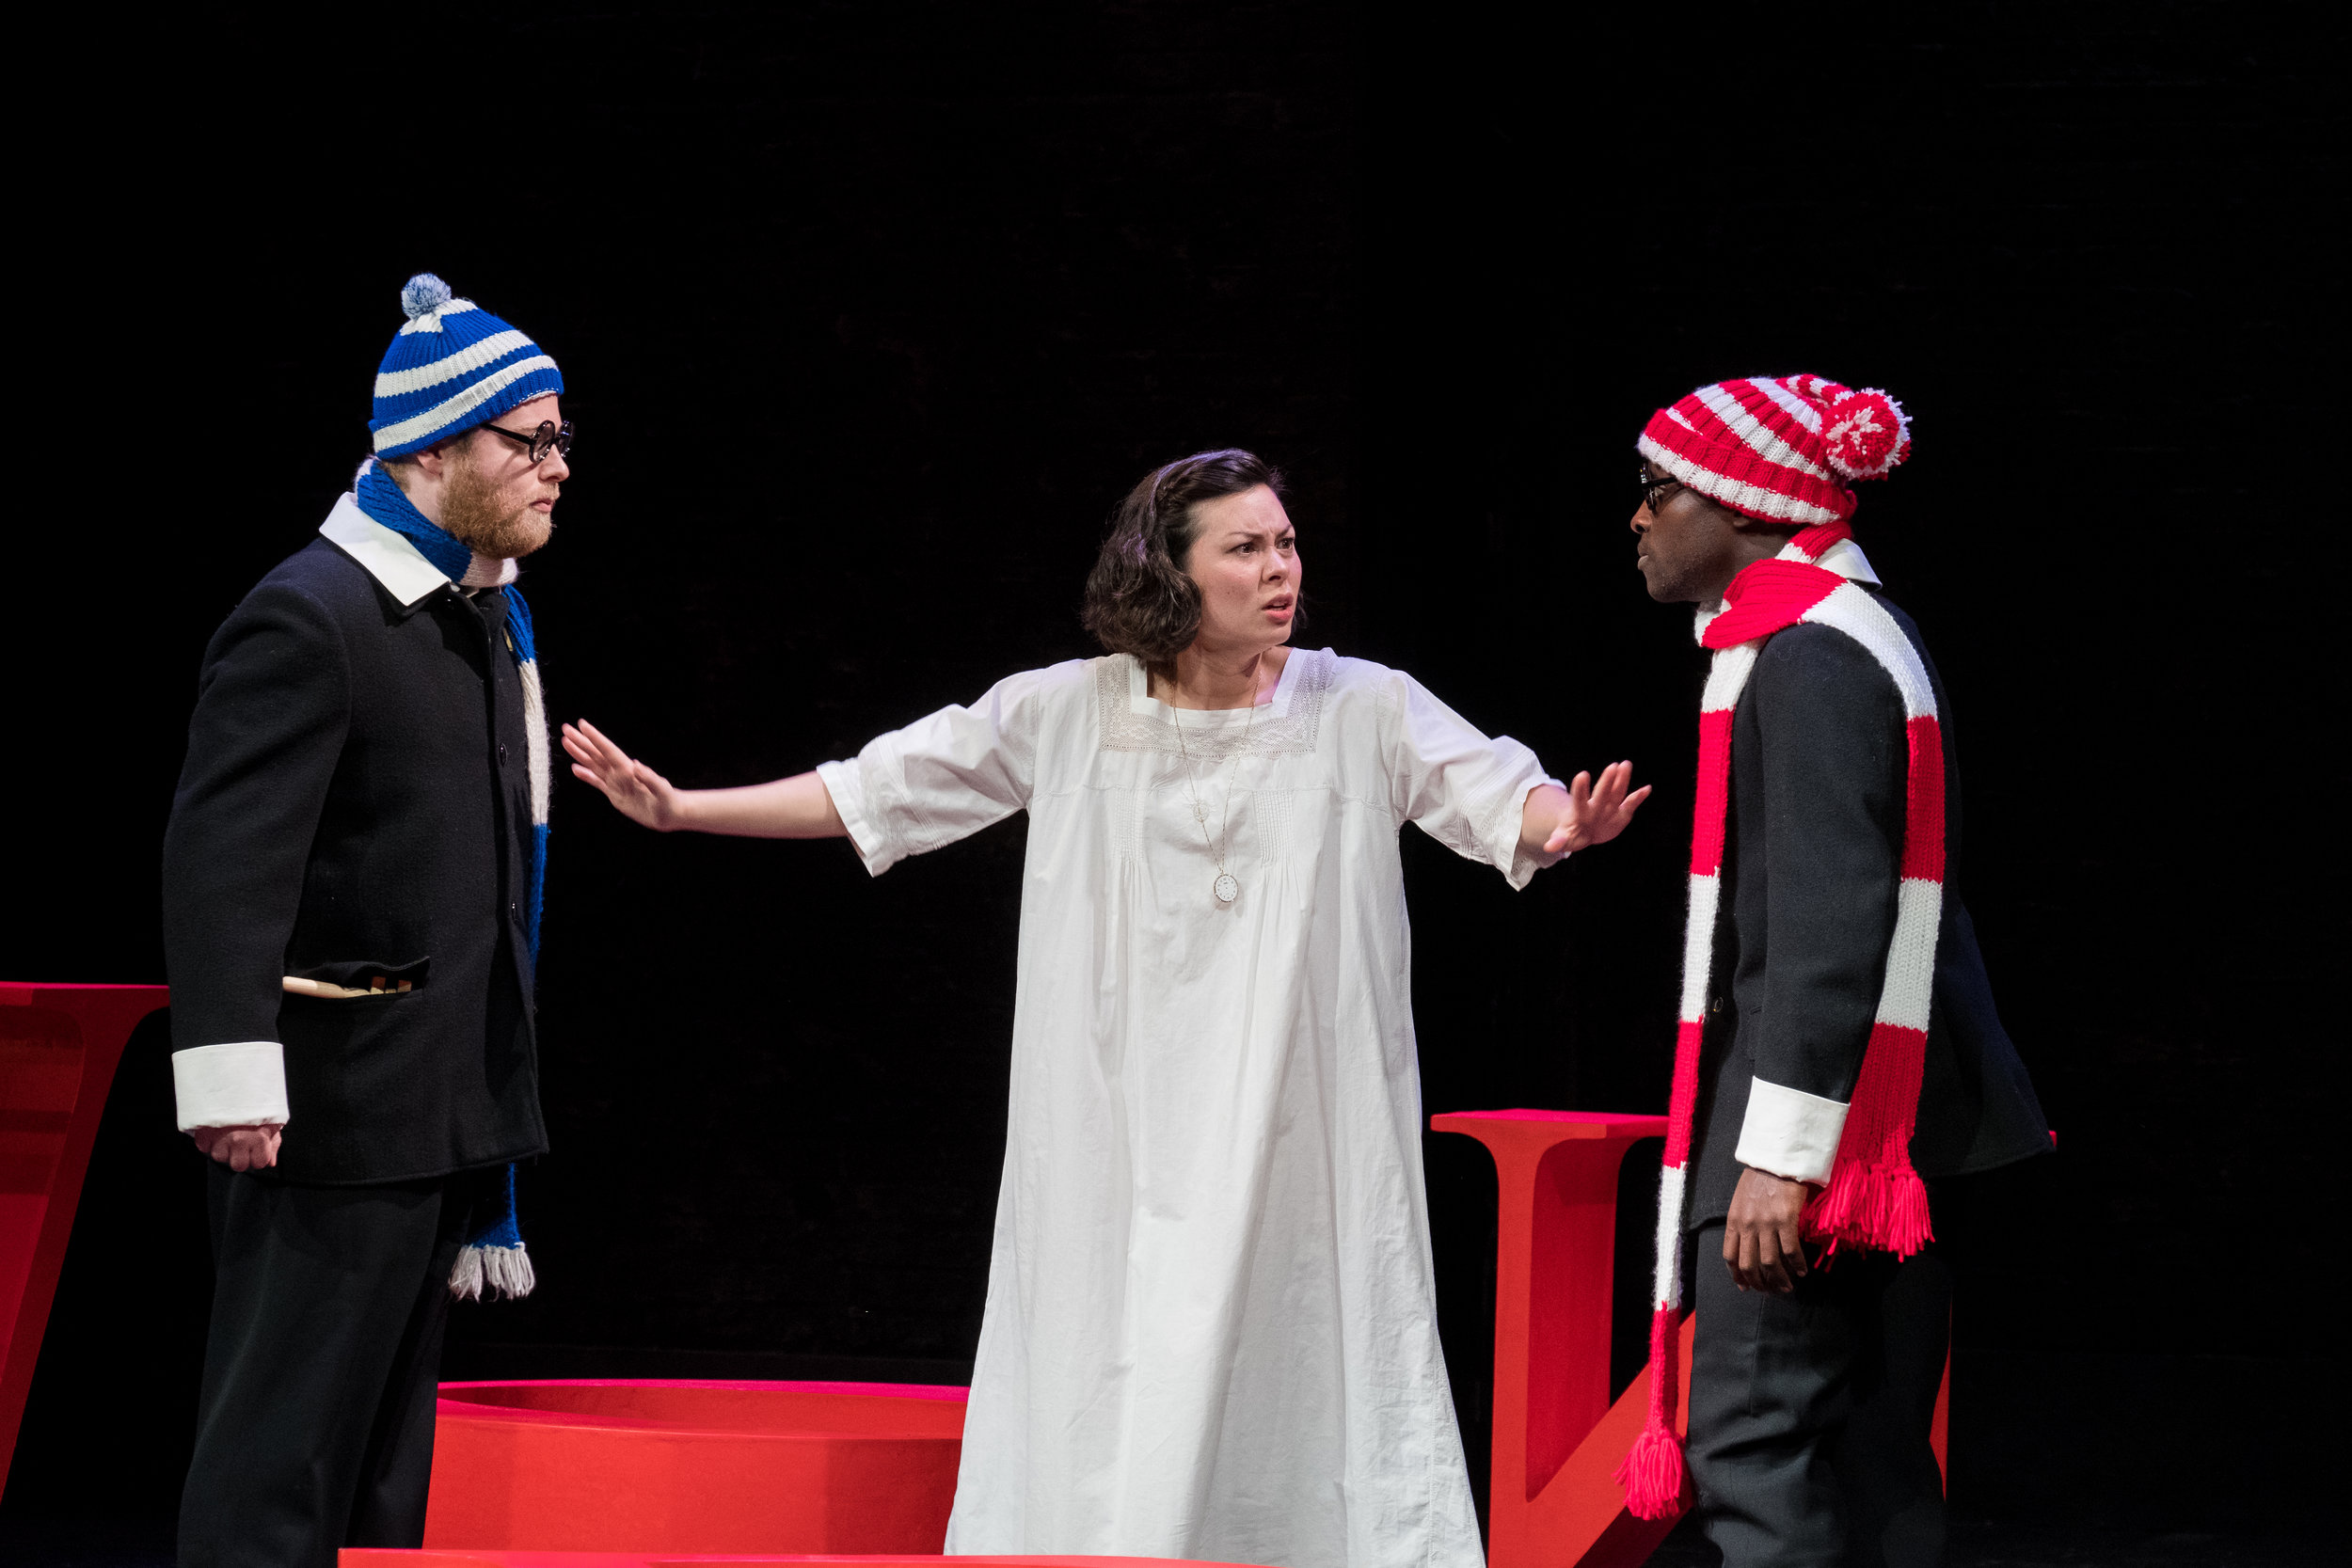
{"x": 1210, "y": 1328}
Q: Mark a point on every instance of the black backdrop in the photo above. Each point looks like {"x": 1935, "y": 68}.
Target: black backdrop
{"x": 870, "y": 313}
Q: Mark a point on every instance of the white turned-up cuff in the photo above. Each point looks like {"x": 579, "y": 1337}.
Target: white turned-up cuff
{"x": 1523, "y": 864}
{"x": 240, "y": 1084}
{"x": 1790, "y": 1132}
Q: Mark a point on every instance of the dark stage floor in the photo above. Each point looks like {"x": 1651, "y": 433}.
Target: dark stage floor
{"x": 1984, "y": 1545}
{"x": 47, "y": 1543}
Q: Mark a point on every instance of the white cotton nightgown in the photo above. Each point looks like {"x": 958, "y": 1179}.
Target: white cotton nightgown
{"x": 1210, "y": 1328}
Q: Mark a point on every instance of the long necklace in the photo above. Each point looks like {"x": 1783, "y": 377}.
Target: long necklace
{"x": 1226, "y": 887}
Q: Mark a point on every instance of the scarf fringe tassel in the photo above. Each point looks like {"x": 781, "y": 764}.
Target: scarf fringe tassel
{"x": 1652, "y": 1473}
{"x": 1877, "y": 1207}
{"x": 502, "y": 1270}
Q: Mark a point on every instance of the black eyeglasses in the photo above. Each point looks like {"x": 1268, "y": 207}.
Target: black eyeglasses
{"x": 543, "y": 443}
{"x": 1650, "y": 487}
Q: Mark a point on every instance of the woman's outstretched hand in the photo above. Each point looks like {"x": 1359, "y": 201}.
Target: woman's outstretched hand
{"x": 797, "y": 807}
{"x": 636, "y": 791}
{"x": 1589, "y": 813}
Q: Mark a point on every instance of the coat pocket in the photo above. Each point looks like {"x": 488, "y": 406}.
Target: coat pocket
{"x": 358, "y": 978}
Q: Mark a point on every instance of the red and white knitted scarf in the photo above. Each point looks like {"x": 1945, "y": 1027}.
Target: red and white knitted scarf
{"x": 1875, "y": 1199}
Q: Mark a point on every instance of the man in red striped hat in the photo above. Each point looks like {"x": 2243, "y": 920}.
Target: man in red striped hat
{"x": 1839, "y": 1053}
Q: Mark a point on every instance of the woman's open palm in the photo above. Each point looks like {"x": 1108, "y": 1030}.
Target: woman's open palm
{"x": 1597, "y": 812}
{"x": 636, "y": 791}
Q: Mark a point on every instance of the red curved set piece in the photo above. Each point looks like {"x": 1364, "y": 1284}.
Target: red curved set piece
{"x": 59, "y": 1047}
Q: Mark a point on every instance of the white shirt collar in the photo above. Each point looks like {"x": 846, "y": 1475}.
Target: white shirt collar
{"x": 390, "y": 558}
{"x": 395, "y": 562}
{"x": 1846, "y": 559}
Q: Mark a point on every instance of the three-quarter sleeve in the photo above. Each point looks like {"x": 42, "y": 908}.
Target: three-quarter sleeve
{"x": 1463, "y": 788}
{"x": 942, "y": 778}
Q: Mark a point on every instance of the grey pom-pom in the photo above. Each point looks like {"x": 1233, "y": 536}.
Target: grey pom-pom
{"x": 424, "y": 293}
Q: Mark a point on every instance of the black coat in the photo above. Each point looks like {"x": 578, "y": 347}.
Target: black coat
{"x": 1812, "y": 858}
{"x": 356, "y": 803}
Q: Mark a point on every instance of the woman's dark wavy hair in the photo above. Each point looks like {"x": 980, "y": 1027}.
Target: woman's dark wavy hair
{"x": 1139, "y": 599}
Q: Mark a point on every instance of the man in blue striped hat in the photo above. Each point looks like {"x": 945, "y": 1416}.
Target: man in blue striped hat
{"x": 352, "y": 883}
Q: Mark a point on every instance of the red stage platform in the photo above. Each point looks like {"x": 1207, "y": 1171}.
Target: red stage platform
{"x": 364, "y": 1557}
{"x": 628, "y": 1465}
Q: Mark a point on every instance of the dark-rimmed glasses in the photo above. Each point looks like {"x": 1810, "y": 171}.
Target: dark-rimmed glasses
{"x": 1651, "y": 487}
{"x": 543, "y": 443}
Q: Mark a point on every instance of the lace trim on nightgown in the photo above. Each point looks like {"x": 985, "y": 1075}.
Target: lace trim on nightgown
{"x": 1290, "y": 731}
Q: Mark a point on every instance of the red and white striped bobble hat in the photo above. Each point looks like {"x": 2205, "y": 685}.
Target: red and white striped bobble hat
{"x": 1779, "y": 448}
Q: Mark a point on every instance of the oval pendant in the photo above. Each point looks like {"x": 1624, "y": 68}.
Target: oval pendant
{"x": 1227, "y": 889}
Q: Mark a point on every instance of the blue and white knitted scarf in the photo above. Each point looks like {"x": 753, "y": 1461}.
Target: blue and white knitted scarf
{"x": 493, "y": 1255}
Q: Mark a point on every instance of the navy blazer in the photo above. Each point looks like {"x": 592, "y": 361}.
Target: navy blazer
{"x": 1812, "y": 858}
{"x": 355, "y": 804}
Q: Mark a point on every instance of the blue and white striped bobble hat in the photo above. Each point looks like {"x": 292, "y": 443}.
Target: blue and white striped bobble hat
{"x": 453, "y": 367}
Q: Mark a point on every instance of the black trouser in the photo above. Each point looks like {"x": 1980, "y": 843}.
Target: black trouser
{"x": 316, "y": 1427}
{"x": 1810, "y": 1412}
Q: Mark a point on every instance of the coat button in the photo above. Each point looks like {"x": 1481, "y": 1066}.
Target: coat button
{"x": 513, "y": 910}
{"x": 501, "y": 750}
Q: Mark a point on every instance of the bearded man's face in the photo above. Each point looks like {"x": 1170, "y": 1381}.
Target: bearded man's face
{"x": 495, "y": 499}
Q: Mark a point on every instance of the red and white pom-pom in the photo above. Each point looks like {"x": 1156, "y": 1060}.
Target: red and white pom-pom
{"x": 1867, "y": 432}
